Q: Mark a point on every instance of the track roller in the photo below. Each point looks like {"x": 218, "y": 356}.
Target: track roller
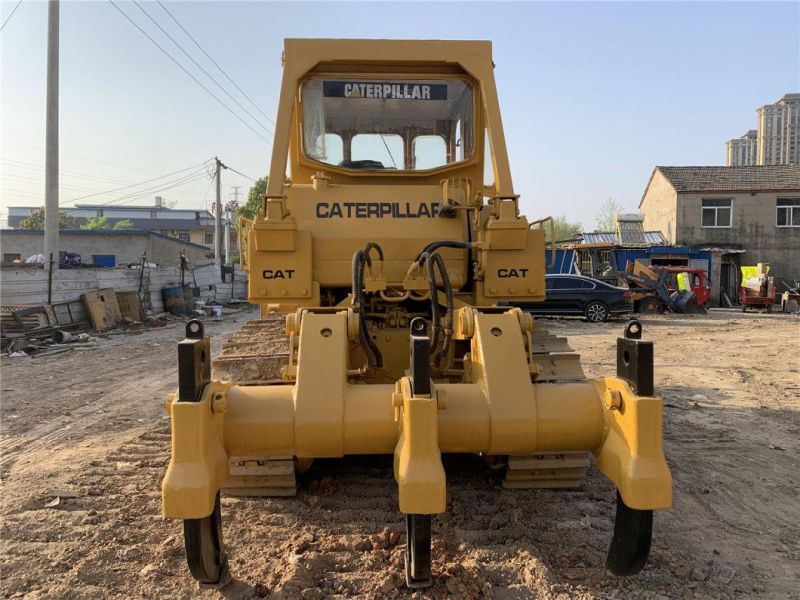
{"x": 418, "y": 551}
{"x": 630, "y": 546}
{"x": 205, "y": 551}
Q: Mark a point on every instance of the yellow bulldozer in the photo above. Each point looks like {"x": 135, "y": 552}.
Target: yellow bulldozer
{"x": 380, "y": 264}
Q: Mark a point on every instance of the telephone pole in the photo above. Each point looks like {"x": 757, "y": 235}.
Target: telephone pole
{"x": 227, "y": 234}
{"x": 218, "y": 217}
{"x": 51, "y": 141}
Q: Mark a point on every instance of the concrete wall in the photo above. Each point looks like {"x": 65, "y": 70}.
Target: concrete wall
{"x": 658, "y": 207}
{"x": 127, "y": 247}
{"x": 753, "y": 228}
{"x": 29, "y": 286}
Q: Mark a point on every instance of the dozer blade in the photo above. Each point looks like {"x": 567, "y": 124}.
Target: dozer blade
{"x": 563, "y": 470}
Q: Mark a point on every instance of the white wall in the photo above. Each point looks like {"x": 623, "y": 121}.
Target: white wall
{"x": 29, "y": 286}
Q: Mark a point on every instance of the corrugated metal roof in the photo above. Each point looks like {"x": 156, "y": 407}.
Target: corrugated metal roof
{"x": 733, "y": 179}
{"x": 651, "y": 238}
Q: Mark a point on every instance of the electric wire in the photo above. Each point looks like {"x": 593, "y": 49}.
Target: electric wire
{"x": 182, "y": 68}
{"x": 196, "y": 43}
{"x": 238, "y": 173}
{"x": 139, "y": 194}
{"x": 199, "y": 66}
{"x": 3, "y": 26}
{"x": 202, "y": 164}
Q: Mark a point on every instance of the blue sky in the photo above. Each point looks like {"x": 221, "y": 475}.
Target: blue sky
{"x": 593, "y": 94}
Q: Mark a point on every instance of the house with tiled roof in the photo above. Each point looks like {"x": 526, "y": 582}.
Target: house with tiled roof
{"x": 744, "y": 215}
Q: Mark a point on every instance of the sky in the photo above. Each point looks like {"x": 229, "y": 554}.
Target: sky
{"x": 593, "y": 95}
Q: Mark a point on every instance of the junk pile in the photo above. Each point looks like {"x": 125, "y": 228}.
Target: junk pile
{"x": 757, "y": 289}
{"x": 790, "y": 299}
{"x": 666, "y": 289}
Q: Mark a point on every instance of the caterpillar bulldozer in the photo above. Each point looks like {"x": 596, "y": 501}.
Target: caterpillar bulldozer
{"x": 382, "y": 265}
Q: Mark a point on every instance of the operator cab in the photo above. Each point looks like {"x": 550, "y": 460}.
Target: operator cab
{"x": 373, "y": 123}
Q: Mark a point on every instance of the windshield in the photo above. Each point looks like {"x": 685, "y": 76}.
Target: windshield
{"x": 387, "y": 124}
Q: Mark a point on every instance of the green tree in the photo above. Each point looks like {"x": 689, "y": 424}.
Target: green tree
{"x": 36, "y": 220}
{"x": 103, "y": 223}
{"x": 253, "y": 205}
{"x": 123, "y": 224}
{"x": 606, "y": 217}
{"x": 564, "y": 230}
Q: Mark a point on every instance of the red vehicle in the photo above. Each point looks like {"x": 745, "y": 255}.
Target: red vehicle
{"x": 698, "y": 282}
{"x": 756, "y": 301}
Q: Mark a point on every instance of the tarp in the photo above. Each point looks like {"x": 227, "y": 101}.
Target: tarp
{"x": 750, "y": 273}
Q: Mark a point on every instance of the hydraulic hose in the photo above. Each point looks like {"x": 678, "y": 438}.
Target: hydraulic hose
{"x": 433, "y": 246}
{"x": 360, "y": 259}
{"x": 448, "y": 292}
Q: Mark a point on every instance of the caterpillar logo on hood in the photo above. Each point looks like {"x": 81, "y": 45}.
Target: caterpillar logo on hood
{"x": 376, "y": 210}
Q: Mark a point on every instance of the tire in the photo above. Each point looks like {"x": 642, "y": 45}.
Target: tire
{"x": 596, "y": 312}
{"x": 205, "y": 552}
{"x": 649, "y": 305}
{"x": 769, "y": 308}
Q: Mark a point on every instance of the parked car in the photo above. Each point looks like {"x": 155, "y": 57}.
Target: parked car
{"x": 578, "y": 295}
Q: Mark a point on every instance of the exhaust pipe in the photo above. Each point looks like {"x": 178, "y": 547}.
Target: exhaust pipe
{"x": 65, "y": 337}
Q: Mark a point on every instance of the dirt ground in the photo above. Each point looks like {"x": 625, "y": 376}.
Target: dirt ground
{"x": 88, "y": 428}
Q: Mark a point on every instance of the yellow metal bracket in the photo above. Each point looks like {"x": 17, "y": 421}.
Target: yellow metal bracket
{"x": 417, "y": 460}
{"x": 632, "y": 454}
{"x": 198, "y": 465}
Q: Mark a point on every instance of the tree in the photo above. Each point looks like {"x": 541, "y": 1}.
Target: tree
{"x": 103, "y": 223}
{"x": 123, "y": 224}
{"x": 254, "y": 198}
{"x": 36, "y": 220}
{"x": 564, "y": 230}
{"x": 606, "y": 217}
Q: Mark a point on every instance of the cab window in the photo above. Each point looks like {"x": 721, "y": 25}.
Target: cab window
{"x": 372, "y": 124}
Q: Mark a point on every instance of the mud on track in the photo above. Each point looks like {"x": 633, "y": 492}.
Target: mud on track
{"x": 90, "y": 428}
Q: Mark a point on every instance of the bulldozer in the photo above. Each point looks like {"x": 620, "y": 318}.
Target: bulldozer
{"x": 388, "y": 237}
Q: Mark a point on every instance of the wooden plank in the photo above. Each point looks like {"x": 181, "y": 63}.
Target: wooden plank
{"x": 103, "y": 309}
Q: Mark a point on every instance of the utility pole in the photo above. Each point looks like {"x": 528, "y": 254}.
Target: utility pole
{"x": 51, "y": 142}
{"x": 230, "y": 210}
{"x": 227, "y": 234}
{"x": 218, "y": 218}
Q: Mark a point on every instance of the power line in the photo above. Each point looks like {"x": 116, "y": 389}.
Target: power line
{"x": 196, "y": 43}
{"x": 238, "y": 173}
{"x": 202, "y": 164}
{"x": 168, "y": 185}
{"x": 182, "y": 68}
{"x": 3, "y": 26}
{"x": 18, "y": 164}
{"x": 199, "y": 66}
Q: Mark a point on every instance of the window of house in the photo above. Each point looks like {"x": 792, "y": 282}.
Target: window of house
{"x": 717, "y": 212}
{"x": 788, "y": 212}
{"x": 153, "y": 214}
{"x": 183, "y": 235}
{"x": 209, "y": 237}
{"x": 9, "y": 258}
{"x": 99, "y": 212}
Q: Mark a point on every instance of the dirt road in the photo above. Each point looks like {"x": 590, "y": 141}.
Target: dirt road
{"x": 89, "y": 428}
